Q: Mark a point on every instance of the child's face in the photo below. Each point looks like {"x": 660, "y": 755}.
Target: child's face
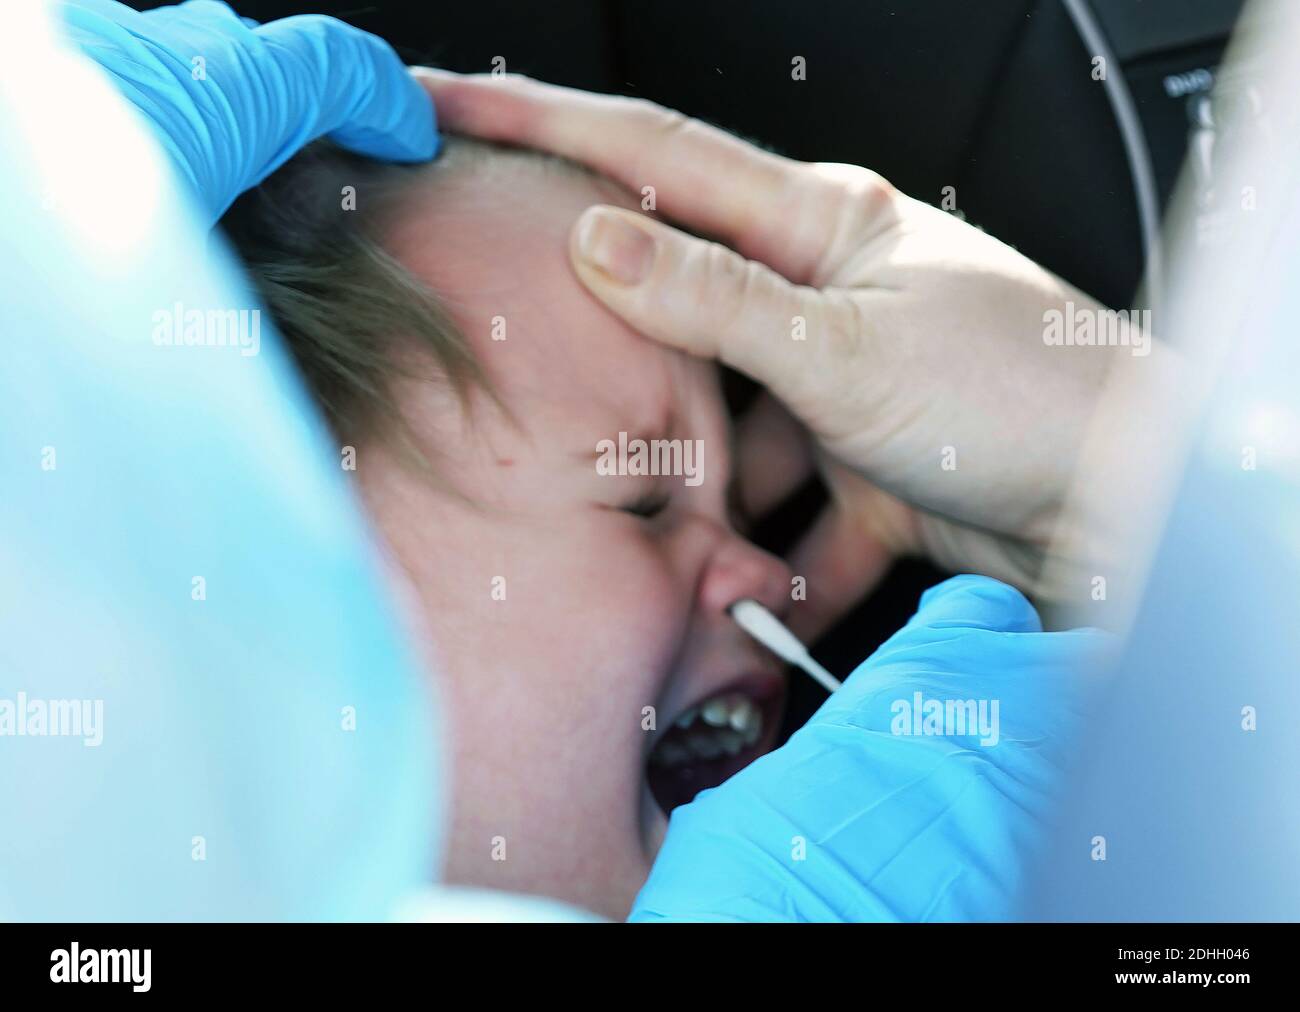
{"x": 556, "y": 614}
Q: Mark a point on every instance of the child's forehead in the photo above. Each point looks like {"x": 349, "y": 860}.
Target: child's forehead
{"x": 476, "y": 230}
{"x": 495, "y": 249}
{"x": 493, "y": 244}
{"x": 481, "y": 179}
{"x": 591, "y": 368}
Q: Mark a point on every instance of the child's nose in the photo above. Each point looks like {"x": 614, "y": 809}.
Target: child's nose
{"x": 738, "y": 569}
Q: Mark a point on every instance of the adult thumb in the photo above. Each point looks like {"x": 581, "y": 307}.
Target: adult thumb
{"x": 706, "y": 299}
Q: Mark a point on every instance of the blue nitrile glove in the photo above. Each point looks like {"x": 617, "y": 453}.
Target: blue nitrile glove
{"x": 231, "y": 101}
{"x": 859, "y": 818}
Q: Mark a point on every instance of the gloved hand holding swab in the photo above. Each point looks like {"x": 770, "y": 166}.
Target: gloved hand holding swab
{"x": 772, "y": 633}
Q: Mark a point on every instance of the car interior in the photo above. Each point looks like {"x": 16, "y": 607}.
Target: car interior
{"x": 998, "y": 111}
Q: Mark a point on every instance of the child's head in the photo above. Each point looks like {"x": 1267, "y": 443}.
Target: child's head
{"x": 441, "y": 328}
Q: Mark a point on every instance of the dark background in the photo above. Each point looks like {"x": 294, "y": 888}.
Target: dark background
{"x": 994, "y": 98}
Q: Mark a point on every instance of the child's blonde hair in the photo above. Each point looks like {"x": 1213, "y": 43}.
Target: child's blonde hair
{"x": 349, "y": 311}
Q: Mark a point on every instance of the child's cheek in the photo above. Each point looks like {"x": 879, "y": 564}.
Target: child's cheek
{"x": 634, "y": 592}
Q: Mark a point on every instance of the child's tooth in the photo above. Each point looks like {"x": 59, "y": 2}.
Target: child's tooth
{"x": 716, "y": 712}
{"x": 731, "y": 714}
{"x": 743, "y": 714}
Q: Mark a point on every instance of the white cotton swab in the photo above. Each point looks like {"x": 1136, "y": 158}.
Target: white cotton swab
{"x": 768, "y": 630}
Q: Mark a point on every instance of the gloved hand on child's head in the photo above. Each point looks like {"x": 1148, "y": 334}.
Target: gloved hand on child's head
{"x": 231, "y": 101}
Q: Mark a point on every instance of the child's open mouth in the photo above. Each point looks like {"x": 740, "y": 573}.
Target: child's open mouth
{"x": 712, "y": 741}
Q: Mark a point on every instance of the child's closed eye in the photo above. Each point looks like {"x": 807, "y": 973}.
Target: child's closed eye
{"x": 647, "y": 506}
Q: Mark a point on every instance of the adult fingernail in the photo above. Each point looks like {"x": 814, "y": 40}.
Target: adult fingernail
{"x": 613, "y": 245}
